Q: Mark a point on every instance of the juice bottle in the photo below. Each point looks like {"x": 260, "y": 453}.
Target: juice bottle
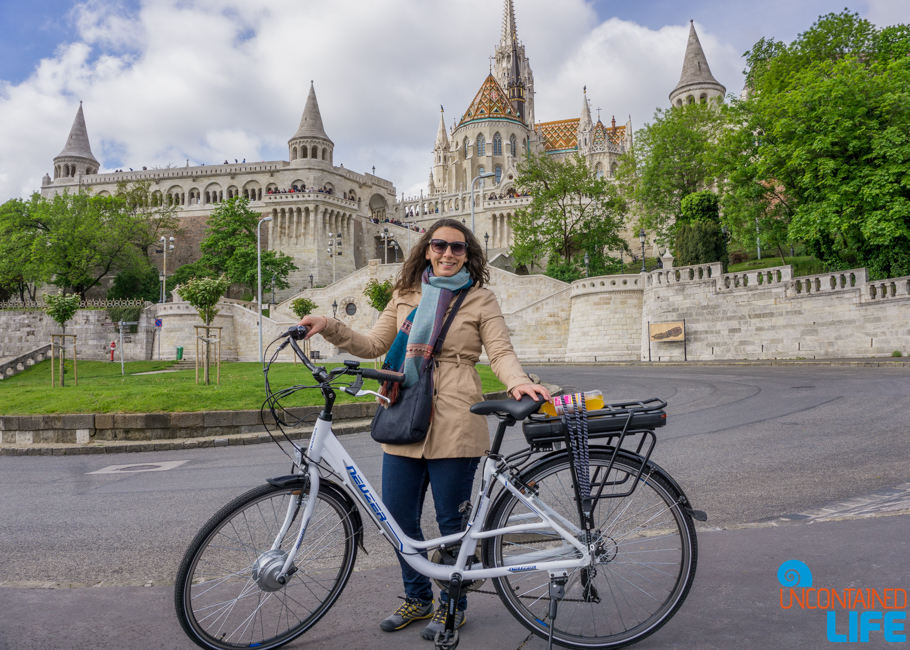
{"x": 594, "y": 400}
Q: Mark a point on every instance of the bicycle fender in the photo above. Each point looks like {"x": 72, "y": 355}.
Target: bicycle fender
{"x": 651, "y": 465}
{"x": 325, "y": 485}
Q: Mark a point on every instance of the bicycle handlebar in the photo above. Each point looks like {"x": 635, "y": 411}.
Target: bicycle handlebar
{"x": 299, "y": 332}
{"x": 383, "y": 375}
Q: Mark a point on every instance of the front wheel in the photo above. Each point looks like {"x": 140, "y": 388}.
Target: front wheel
{"x": 644, "y": 564}
{"x": 228, "y": 594}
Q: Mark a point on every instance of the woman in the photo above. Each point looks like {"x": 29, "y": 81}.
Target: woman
{"x": 446, "y": 260}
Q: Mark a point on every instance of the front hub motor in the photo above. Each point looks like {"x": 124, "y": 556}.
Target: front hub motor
{"x": 267, "y": 569}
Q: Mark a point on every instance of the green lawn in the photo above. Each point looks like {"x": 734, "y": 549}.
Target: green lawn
{"x": 101, "y": 389}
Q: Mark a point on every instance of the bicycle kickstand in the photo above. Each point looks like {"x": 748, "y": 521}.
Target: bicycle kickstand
{"x": 557, "y": 593}
{"x": 447, "y": 638}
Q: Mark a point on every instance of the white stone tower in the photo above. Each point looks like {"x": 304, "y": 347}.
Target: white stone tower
{"x": 438, "y": 181}
{"x": 585, "y": 126}
{"x": 76, "y": 159}
{"x": 696, "y": 83}
{"x": 310, "y": 143}
{"x": 503, "y": 61}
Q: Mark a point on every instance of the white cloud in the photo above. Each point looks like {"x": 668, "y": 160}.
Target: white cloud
{"x": 208, "y": 80}
{"x": 888, "y": 12}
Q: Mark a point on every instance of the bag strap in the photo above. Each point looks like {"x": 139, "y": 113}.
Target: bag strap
{"x": 462, "y": 294}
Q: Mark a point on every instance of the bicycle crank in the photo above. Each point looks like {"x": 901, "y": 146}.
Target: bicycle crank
{"x": 267, "y": 570}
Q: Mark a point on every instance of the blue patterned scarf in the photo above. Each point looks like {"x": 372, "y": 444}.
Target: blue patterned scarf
{"x": 413, "y": 346}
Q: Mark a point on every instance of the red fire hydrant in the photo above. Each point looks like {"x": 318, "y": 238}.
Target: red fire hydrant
{"x": 113, "y": 345}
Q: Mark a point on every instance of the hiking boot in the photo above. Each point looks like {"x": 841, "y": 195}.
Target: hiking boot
{"x": 411, "y": 610}
{"x": 438, "y": 623}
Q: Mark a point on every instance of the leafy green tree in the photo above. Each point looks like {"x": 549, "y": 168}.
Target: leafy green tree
{"x": 571, "y": 211}
{"x": 185, "y": 273}
{"x": 62, "y": 308}
{"x": 19, "y": 273}
{"x": 303, "y": 307}
{"x": 670, "y": 159}
{"x": 699, "y": 242}
{"x": 378, "y": 294}
{"x": 204, "y": 294}
{"x": 230, "y": 247}
{"x": 700, "y": 206}
{"x": 131, "y": 284}
{"x": 823, "y": 144}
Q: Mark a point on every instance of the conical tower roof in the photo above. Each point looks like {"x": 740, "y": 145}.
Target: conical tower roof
{"x": 311, "y": 121}
{"x": 585, "y": 122}
{"x": 442, "y": 139}
{"x": 509, "y": 32}
{"x": 490, "y": 102}
{"x": 77, "y": 145}
{"x": 696, "y": 71}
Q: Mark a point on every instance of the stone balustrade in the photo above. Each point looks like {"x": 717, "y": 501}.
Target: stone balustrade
{"x": 23, "y": 361}
{"x": 627, "y": 282}
{"x": 780, "y": 275}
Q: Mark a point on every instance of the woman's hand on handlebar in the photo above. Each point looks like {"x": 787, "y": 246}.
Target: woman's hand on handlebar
{"x": 534, "y": 390}
{"x": 314, "y": 323}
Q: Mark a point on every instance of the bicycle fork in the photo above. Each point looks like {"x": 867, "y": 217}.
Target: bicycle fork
{"x": 309, "y": 499}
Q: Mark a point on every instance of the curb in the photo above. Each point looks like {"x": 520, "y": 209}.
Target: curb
{"x": 857, "y": 363}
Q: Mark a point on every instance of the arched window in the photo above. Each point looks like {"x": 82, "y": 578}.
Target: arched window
{"x": 613, "y": 168}
{"x": 325, "y": 153}
{"x": 512, "y": 150}
{"x": 465, "y": 147}
{"x": 498, "y": 172}
{"x": 303, "y": 152}
{"x": 293, "y": 153}
{"x": 599, "y": 170}
{"x": 481, "y": 170}
{"x": 481, "y": 145}
{"x": 314, "y": 152}
{"x": 497, "y": 145}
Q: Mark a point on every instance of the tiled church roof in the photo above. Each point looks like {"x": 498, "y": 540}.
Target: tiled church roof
{"x": 602, "y": 134}
{"x": 560, "y": 135}
{"x": 490, "y": 102}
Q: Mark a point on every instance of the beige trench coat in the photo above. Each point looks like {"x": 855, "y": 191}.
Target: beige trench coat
{"x": 455, "y": 432}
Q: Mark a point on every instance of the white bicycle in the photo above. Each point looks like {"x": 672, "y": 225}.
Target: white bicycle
{"x": 597, "y": 568}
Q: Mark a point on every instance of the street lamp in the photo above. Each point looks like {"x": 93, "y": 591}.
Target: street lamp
{"x": 476, "y": 178}
{"x": 587, "y": 261}
{"x": 395, "y": 246}
{"x": 166, "y": 244}
{"x": 259, "y": 277}
{"x": 334, "y": 308}
{"x": 386, "y": 237}
{"x": 641, "y": 238}
{"x": 757, "y": 238}
{"x": 486, "y": 244}
{"x": 311, "y": 280}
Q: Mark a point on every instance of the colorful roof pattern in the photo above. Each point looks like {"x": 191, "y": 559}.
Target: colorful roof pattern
{"x": 602, "y": 134}
{"x": 560, "y": 135}
{"x": 490, "y": 102}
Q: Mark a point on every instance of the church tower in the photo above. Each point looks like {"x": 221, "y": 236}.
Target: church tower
{"x": 585, "y": 126}
{"x": 76, "y": 157}
{"x": 696, "y": 83}
{"x": 510, "y": 59}
{"x": 440, "y": 157}
{"x": 310, "y": 143}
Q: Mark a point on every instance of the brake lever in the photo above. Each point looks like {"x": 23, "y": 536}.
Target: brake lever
{"x": 362, "y": 392}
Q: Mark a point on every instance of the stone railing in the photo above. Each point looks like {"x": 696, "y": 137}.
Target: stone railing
{"x": 309, "y": 196}
{"x": 695, "y": 273}
{"x": 85, "y": 304}
{"x": 23, "y": 361}
{"x": 626, "y": 282}
{"x": 827, "y": 283}
{"x": 765, "y": 278}
{"x": 887, "y": 289}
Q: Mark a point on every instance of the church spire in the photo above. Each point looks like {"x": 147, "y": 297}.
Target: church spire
{"x": 311, "y": 121}
{"x": 585, "y": 123}
{"x": 696, "y": 83}
{"x": 509, "y": 33}
{"x": 442, "y": 140}
{"x": 77, "y": 145}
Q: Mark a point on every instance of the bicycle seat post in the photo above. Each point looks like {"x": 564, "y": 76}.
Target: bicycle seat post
{"x": 505, "y": 421}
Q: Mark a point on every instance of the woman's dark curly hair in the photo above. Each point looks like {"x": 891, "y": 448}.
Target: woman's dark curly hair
{"x": 414, "y": 266}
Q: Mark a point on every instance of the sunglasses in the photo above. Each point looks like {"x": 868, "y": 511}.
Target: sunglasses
{"x": 439, "y": 247}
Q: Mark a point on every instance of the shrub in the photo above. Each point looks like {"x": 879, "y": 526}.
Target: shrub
{"x": 125, "y": 314}
{"x": 897, "y": 353}
{"x": 378, "y": 294}
{"x": 699, "y": 243}
{"x": 131, "y": 285}
{"x": 737, "y": 257}
{"x": 204, "y": 294}
{"x": 700, "y": 206}
{"x": 303, "y": 307}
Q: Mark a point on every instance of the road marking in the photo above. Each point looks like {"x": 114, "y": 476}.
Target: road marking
{"x": 140, "y": 467}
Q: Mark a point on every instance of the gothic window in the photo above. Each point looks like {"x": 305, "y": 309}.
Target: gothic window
{"x": 613, "y": 170}
{"x": 465, "y": 147}
{"x": 599, "y": 170}
{"x": 512, "y": 150}
{"x": 497, "y": 145}
{"x": 481, "y": 146}
{"x": 498, "y": 176}
{"x": 481, "y": 170}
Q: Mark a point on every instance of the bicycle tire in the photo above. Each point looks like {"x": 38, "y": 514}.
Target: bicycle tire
{"x": 220, "y": 602}
{"x": 645, "y": 567}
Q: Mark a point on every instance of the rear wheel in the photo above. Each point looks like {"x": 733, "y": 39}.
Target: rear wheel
{"x": 228, "y": 594}
{"x": 645, "y": 555}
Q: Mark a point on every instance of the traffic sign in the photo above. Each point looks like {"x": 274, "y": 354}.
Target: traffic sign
{"x": 158, "y": 322}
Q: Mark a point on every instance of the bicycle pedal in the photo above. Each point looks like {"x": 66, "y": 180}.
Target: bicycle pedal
{"x": 446, "y": 640}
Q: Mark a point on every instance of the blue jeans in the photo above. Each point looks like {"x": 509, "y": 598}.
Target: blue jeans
{"x": 404, "y": 487}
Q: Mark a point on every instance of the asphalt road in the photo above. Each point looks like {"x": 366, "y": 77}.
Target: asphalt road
{"x": 769, "y": 453}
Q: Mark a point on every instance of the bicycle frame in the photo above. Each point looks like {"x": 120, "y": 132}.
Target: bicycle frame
{"x": 324, "y": 445}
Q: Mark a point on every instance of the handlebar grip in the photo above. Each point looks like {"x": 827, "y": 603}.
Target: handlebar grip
{"x": 383, "y": 375}
{"x": 297, "y": 332}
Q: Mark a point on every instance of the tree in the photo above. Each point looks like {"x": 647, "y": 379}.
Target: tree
{"x": 571, "y": 211}
{"x": 204, "y": 294}
{"x": 699, "y": 242}
{"x": 18, "y": 272}
{"x": 700, "y": 206}
{"x": 136, "y": 285}
{"x": 230, "y": 247}
{"x": 61, "y": 308}
{"x": 303, "y": 307}
{"x": 670, "y": 159}
{"x": 185, "y": 273}
{"x": 378, "y": 294}
{"x": 824, "y": 144}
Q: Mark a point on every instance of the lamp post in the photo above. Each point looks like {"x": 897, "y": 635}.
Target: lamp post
{"x": 334, "y": 308}
{"x": 386, "y": 237}
{"x": 486, "y": 244}
{"x": 259, "y": 277}
{"x": 476, "y": 178}
{"x": 166, "y": 243}
{"x": 757, "y": 238}
{"x": 311, "y": 280}
{"x": 395, "y": 246}
{"x": 587, "y": 261}
{"x": 641, "y": 238}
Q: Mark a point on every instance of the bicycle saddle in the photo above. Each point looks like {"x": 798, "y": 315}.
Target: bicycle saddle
{"x": 518, "y": 409}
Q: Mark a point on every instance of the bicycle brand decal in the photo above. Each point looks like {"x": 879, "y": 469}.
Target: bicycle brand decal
{"x": 359, "y": 482}
{"x": 523, "y": 568}
{"x": 879, "y": 607}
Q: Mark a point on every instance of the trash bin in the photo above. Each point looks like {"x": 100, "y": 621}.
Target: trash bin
{"x": 179, "y": 353}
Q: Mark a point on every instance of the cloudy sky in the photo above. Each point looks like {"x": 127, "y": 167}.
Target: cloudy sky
{"x": 166, "y": 81}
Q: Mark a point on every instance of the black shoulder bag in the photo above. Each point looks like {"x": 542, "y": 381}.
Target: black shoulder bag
{"x": 408, "y": 420}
